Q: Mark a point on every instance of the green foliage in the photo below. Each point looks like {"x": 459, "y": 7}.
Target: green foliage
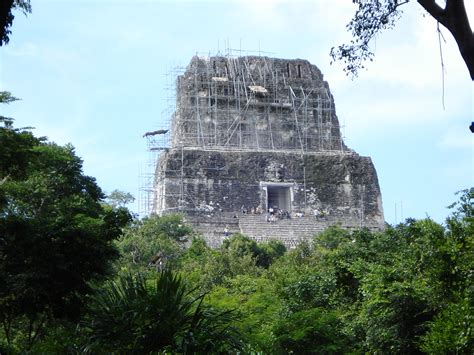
{"x": 240, "y": 245}
{"x": 332, "y": 237}
{"x": 6, "y": 97}
{"x": 370, "y": 19}
{"x": 452, "y": 331}
{"x": 223, "y": 266}
{"x": 151, "y": 240}
{"x": 198, "y": 249}
{"x": 459, "y": 248}
{"x": 171, "y": 226}
{"x": 238, "y": 255}
{"x": 119, "y": 198}
{"x": 264, "y": 254}
{"x": 464, "y": 209}
{"x": 407, "y": 289}
{"x": 270, "y": 252}
{"x": 129, "y": 315}
{"x": 308, "y": 291}
{"x": 59, "y": 337}
{"x": 313, "y": 331}
{"x": 389, "y": 290}
{"x": 17, "y": 151}
{"x": 55, "y": 236}
{"x": 257, "y": 305}
{"x": 6, "y": 17}
{"x": 394, "y": 314}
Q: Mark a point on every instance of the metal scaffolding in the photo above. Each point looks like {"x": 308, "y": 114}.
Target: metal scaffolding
{"x": 249, "y": 103}
{"x": 239, "y": 102}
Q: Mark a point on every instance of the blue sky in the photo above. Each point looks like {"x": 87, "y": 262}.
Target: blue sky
{"x": 94, "y": 73}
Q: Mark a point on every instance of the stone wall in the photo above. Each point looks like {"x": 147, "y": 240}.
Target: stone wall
{"x": 251, "y": 133}
{"x": 255, "y": 103}
{"x": 343, "y": 186}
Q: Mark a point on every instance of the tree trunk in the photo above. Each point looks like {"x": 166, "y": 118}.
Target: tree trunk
{"x": 467, "y": 53}
{"x": 454, "y": 18}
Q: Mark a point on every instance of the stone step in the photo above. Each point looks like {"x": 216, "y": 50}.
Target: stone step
{"x": 289, "y": 231}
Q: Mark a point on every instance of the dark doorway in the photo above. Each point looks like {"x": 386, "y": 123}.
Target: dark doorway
{"x": 279, "y": 197}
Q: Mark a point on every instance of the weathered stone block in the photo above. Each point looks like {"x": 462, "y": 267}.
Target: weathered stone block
{"x": 254, "y": 133}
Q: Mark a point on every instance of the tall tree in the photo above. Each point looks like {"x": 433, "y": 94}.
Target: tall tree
{"x": 55, "y": 235}
{"x": 374, "y": 16}
{"x": 119, "y": 198}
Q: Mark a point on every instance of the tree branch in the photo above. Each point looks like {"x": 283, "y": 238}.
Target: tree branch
{"x": 454, "y": 18}
{"x": 434, "y": 10}
{"x": 7, "y": 322}
{"x": 39, "y": 328}
{"x": 4, "y": 180}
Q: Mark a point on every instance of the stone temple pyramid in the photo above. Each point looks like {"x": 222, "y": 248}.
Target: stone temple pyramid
{"x": 255, "y": 147}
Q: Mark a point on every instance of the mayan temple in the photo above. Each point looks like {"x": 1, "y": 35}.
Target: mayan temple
{"x": 255, "y": 147}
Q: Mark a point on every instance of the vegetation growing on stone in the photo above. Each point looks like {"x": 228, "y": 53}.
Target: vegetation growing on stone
{"x": 80, "y": 275}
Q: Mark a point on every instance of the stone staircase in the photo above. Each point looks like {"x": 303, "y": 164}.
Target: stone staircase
{"x": 212, "y": 228}
{"x": 289, "y": 231}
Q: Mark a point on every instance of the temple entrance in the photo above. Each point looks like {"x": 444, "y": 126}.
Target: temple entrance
{"x": 279, "y": 197}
